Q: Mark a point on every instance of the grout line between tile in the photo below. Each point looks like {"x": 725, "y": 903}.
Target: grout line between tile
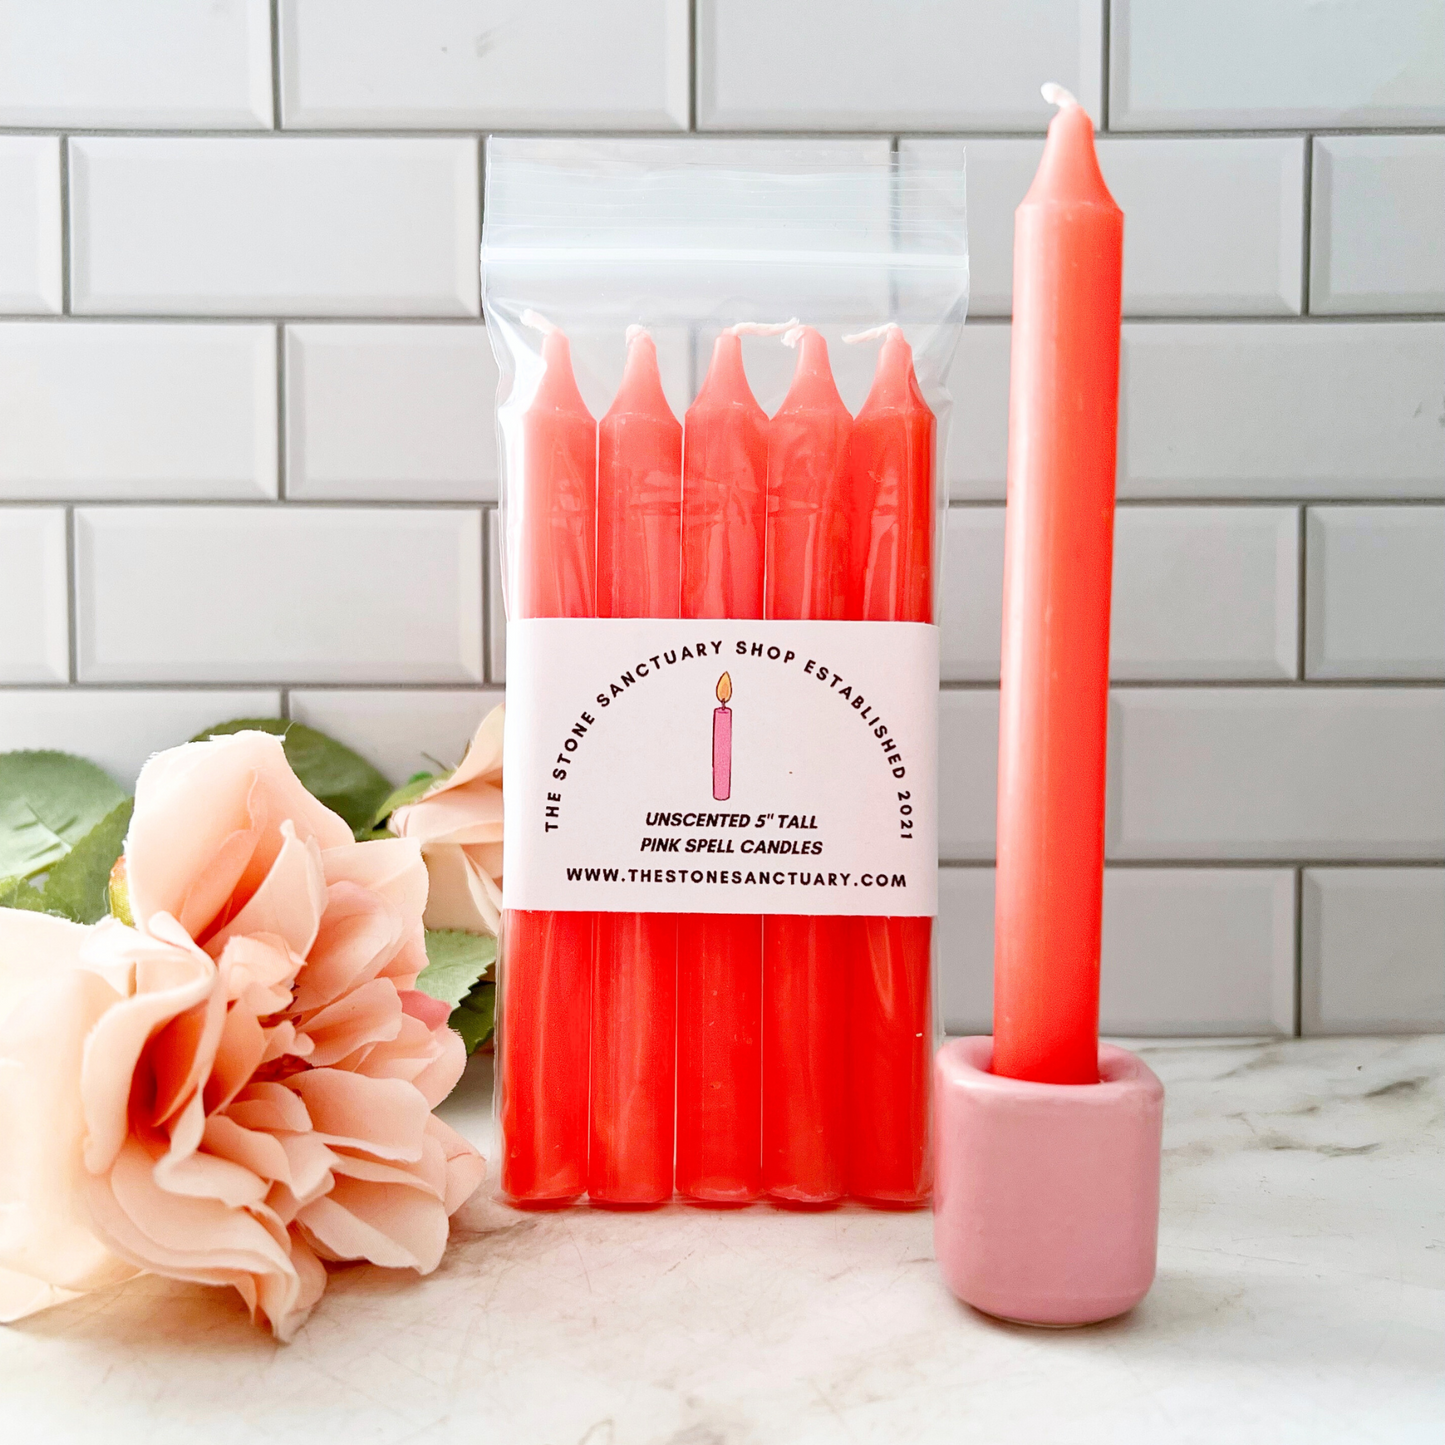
{"x": 1231, "y": 684}
{"x": 261, "y": 315}
{"x": 1302, "y": 603}
{"x": 1230, "y": 865}
{"x": 71, "y": 598}
{"x": 692, "y": 66}
{"x": 1105, "y": 66}
{"x": 281, "y": 459}
{"x": 285, "y": 703}
{"x": 276, "y": 65}
{"x": 64, "y": 225}
{"x": 488, "y": 562}
{"x": 1299, "y": 888}
{"x": 1307, "y": 245}
{"x": 60, "y": 497}
{"x": 483, "y": 126}
{"x": 1375, "y": 684}
{"x": 964, "y": 504}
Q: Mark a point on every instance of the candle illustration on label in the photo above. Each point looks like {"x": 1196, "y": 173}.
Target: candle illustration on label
{"x": 722, "y": 741}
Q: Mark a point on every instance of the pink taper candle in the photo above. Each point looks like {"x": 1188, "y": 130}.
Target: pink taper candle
{"x": 634, "y": 989}
{"x": 1058, "y": 558}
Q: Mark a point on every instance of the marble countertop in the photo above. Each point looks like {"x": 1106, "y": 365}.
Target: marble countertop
{"x": 1299, "y": 1298}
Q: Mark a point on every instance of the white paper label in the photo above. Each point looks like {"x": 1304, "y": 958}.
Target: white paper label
{"x": 722, "y": 767}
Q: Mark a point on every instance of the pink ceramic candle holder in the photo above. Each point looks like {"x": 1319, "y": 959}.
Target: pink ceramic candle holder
{"x": 1046, "y": 1200}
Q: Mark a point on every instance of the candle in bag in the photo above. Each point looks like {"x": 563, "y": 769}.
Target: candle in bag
{"x": 1058, "y": 550}
{"x": 890, "y": 1027}
{"x": 546, "y": 979}
{"x": 720, "y": 955}
{"x": 639, "y": 505}
{"x": 805, "y": 978}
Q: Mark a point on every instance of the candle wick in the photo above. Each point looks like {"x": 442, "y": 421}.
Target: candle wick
{"x": 794, "y": 335}
{"x": 634, "y": 331}
{"x": 537, "y": 322}
{"x": 889, "y": 328}
{"x": 1056, "y": 94}
{"x": 760, "y": 328}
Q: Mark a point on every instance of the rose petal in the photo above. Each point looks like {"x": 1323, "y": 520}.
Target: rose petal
{"x": 170, "y": 979}
{"x": 459, "y": 896}
{"x": 359, "y": 933}
{"x": 397, "y": 1228}
{"x": 382, "y": 1117}
{"x": 207, "y": 824}
{"x": 433, "y": 1012}
{"x": 465, "y": 1166}
{"x": 269, "y": 1106}
{"x": 289, "y": 901}
{"x": 366, "y": 1015}
{"x": 391, "y": 867}
{"x": 45, "y": 1232}
{"x": 472, "y": 814}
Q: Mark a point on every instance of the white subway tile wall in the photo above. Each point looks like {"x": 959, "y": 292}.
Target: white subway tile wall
{"x": 34, "y": 646}
{"x": 30, "y": 225}
{"x": 147, "y": 64}
{"x": 1243, "y": 65}
{"x": 119, "y": 728}
{"x": 293, "y": 225}
{"x": 1378, "y": 226}
{"x": 1372, "y": 943}
{"x": 855, "y": 65}
{"x": 1199, "y": 593}
{"x": 285, "y": 594}
{"x": 248, "y": 466}
{"x": 1185, "y": 950}
{"x": 377, "y": 412}
{"x": 484, "y": 64}
{"x": 1376, "y": 592}
{"x": 129, "y": 410}
{"x": 1215, "y": 227}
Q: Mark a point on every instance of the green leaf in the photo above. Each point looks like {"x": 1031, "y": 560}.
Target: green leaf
{"x": 76, "y": 886}
{"x": 409, "y": 792}
{"x": 48, "y": 803}
{"x": 17, "y": 893}
{"x": 455, "y": 961}
{"x": 475, "y": 1017}
{"x": 328, "y": 770}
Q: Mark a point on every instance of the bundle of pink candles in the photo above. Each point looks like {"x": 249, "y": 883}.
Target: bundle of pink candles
{"x": 723, "y": 1057}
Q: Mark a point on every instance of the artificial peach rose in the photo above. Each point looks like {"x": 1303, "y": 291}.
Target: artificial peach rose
{"x": 256, "y": 1097}
{"x": 458, "y": 823}
{"x": 49, "y": 1002}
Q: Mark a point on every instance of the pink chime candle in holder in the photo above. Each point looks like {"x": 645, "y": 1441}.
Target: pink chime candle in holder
{"x": 1047, "y": 1196}
{"x": 722, "y": 741}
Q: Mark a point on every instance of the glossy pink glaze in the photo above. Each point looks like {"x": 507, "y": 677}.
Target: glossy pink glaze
{"x": 1046, "y": 1196}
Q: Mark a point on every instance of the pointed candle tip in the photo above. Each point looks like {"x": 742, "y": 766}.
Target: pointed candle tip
{"x": 537, "y": 322}
{"x": 634, "y": 331}
{"x": 1056, "y": 94}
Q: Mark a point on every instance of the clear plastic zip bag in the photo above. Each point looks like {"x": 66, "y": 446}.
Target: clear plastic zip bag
{"x": 722, "y": 398}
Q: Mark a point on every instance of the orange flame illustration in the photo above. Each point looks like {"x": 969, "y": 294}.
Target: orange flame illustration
{"x": 724, "y": 689}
